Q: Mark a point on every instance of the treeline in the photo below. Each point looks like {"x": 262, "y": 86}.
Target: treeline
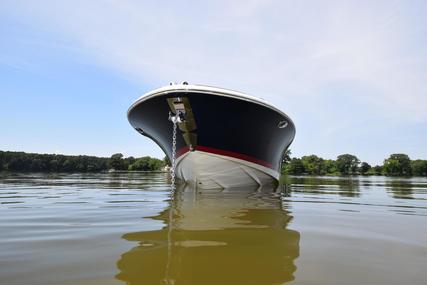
{"x": 33, "y": 162}
{"x": 347, "y": 164}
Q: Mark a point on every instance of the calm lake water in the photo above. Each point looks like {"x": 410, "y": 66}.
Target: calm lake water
{"x": 127, "y": 228}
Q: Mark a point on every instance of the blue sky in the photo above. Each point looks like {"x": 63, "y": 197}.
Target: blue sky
{"x": 351, "y": 74}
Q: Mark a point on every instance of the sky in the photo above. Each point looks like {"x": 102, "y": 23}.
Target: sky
{"x": 351, "y": 74}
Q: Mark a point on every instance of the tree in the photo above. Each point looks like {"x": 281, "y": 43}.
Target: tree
{"x": 347, "y": 164}
{"x": 166, "y": 161}
{"x": 53, "y": 165}
{"x": 127, "y": 162}
{"x": 155, "y": 164}
{"x": 295, "y": 166}
{"x": 313, "y": 164}
{"x": 146, "y": 163}
{"x": 116, "y": 161}
{"x": 397, "y": 164}
{"x": 140, "y": 164}
{"x": 419, "y": 167}
{"x": 378, "y": 170}
{"x": 364, "y": 168}
{"x": 330, "y": 166}
{"x": 16, "y": 164}
{"x": 1, "y": 160}
{"x": 21, "y": 161}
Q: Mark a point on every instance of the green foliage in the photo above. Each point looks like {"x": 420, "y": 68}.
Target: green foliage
{"x": 364, "y": 168}
{"x": 347, "y": 164}
{"x": 419, "y": 167}
{"x": 146, "y": 163}
{"x": 166, "y": 161}
{"x": 294, "y": 167}
{"x": 397, "y": 164}
{"x": 117, "y": 162}
{"x": 313, "y": 165}
{"x": 377, "y": 170}
{"x": 330, "y": 166}
{"x": 21, "y": 161}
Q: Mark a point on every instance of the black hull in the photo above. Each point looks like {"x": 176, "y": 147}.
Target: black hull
{"x": 225, "y": 124}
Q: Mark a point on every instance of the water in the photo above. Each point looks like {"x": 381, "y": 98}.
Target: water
{"x": 125, "y": 228}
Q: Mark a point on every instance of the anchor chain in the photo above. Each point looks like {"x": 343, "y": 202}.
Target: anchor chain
{"x": 173, "y": 162}
{"x": 179, "y": 117}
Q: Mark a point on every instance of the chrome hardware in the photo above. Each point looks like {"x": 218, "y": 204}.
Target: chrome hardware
{"x": 282, "y": 124}
{"x": 179, "y": 117}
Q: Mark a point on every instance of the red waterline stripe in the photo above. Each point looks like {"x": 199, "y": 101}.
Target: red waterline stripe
{"x": 183, "y": 150}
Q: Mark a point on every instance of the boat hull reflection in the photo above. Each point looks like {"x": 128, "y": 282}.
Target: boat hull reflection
{"x": 235, "y": 237}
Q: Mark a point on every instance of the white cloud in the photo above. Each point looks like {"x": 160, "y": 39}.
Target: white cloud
{"x": 264, "y": 47}
{"x": 288, "y": 52}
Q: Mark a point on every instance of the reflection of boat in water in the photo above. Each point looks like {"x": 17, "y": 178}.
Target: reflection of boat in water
{"x": 225, "y": 138}
{"x": 235, "y": 237}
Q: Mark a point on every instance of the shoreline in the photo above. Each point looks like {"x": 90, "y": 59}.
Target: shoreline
{"x": 283, "y": 176}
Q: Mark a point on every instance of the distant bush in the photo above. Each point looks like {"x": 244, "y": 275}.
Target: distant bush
{"x": 419, "y": 167}
{"x": 21, "y": 161}
{"x": 396, "y": 165}
{"x": 146, "y": 163}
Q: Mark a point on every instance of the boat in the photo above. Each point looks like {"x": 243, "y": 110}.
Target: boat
{"x": 214, "y": 137}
